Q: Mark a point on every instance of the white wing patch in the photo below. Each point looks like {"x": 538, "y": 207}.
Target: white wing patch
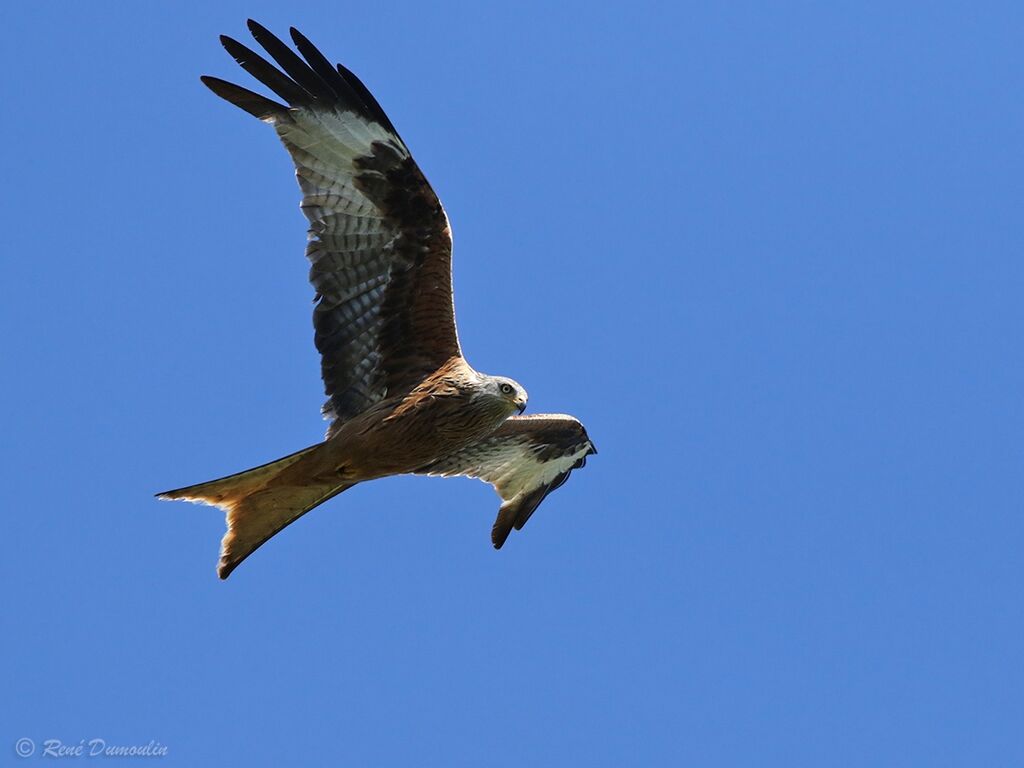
{"x": 324, "y": 146}
{"x": 525, "y": 459}
{"x": 513, "y": 463}
{"x": 528, "y": 473}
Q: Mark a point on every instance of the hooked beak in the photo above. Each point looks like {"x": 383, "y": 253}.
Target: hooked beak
{"x": 521, "y": 407}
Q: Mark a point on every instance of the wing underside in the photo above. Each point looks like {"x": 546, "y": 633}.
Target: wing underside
{"x": 379, "y": 243}
{"x": 525, "y": 459}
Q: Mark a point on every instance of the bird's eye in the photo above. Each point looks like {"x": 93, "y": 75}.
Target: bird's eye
{"x": 506, "y": 389}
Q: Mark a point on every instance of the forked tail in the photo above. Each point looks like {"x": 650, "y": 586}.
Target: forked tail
{"x": 259, "y": 502}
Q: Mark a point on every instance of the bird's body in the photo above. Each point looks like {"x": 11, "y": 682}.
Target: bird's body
{"x": 401, "y": 397}
{"x": 445, "y": 413}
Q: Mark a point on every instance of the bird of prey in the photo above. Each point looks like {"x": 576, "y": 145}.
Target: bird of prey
{"x": 401, "y": 399}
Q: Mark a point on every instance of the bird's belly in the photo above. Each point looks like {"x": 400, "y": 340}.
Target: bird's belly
{"x": 402, "y": 441}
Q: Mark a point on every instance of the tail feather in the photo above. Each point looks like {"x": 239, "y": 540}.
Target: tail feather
{"x": 215, "y": 492}
{"x": 252, "y": 521}
{"x": 259, "y": 503}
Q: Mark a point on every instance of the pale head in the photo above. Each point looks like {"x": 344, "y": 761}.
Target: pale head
{"x": 509, "y": 391}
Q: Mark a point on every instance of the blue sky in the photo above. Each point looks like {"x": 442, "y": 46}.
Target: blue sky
{"x": 770, "y": 254}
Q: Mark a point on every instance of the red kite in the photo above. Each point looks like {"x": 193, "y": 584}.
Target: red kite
{"x": 400, "y": 396}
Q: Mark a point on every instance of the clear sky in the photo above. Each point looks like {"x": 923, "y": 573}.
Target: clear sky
{"x": 770, "y": 254}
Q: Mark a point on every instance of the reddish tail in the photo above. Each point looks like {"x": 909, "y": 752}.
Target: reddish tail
{"x": 259, "y": 502}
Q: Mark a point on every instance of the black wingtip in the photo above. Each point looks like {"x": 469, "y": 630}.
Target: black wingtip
{"x": 257, "y": 30}
{"x": 294, "y": 67}
{"x": 240, "y": 52}
{"x": 499, "y": 534}
{"x": 253, "y": 103}
{"x": 265, "y": 72}
{"x": 301, "y": 41}
{"x": 326, "y": 71}
{"x": 224, "y": 569}
{"x": 375, "y": 111}
{"x": 301, "y": 82}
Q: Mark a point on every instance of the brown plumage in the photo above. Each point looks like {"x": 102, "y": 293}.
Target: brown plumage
{"x": 400, "y": 396}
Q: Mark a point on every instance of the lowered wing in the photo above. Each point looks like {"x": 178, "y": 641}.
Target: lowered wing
{"x": 525, "y": 459}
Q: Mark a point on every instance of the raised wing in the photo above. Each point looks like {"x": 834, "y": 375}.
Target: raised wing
{"x": 525, "y": 459}
{"x": 379, "y": 240}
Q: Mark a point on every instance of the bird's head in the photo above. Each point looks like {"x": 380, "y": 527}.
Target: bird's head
{"x": 511, "y": 392}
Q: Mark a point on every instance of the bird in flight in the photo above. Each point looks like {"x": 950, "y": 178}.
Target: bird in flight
{"x": 401, "y": 398}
